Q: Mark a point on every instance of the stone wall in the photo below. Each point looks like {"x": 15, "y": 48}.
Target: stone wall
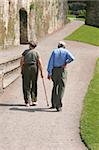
{"x": 40, "y": 17}
{"x": 92, "y": 17}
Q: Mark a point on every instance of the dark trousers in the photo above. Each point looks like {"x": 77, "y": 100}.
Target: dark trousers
{"x": 59, "y": 76}
{"x": 29, "y": 80}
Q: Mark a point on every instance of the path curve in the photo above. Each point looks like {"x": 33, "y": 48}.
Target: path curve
{"x": 38, "y": 128}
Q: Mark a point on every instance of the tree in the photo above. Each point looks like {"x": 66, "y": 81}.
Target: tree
{"x": 92, "y": 14}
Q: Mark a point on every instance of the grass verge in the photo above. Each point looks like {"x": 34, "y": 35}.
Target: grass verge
{"x": 86, "y": 34}
{"x": 73, "y": 17}
{"x": 89, "y": 122}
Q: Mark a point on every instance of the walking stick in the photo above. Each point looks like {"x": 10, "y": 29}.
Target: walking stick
{"x": 45, "y": 92}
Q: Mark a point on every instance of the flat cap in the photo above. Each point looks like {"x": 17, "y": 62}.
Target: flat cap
{"x": 62, "y": 43}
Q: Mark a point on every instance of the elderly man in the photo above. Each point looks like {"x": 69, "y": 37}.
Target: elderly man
{"x": 30, "y": 64}
{"x": 58, "y": 61}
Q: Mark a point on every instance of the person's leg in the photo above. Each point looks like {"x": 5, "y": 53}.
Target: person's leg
{"x": 52, "y": 103}
{"x": 61, "y": 87}
{"x": 26, "y": 86}
{"x": 34, "y": 76}
{"x": 54, "y": 95}
{"x": 24, "y": 91}
{"x": 34, "y": 92}
{"x": 54, "y": 89}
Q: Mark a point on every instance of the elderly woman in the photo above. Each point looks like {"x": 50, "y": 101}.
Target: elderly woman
{"x": 30, "y": 65}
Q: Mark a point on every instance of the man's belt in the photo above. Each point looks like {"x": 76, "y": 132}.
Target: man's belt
{"x": 58, "y": 67}
{"x": 30, "y": 64}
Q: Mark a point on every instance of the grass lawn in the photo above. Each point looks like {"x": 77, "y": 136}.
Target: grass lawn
{"x": 73, "y": 17}
{"x": 89, "y": 123}
{"x": 86, "y": 34}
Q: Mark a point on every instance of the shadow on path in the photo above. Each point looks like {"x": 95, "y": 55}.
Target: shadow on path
{"x": 1, "y": 104}
{"x": 32, "y": 109}
{"x": 28, "y": 109}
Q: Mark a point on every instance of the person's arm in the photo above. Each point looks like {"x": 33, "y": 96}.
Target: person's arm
{"x": 70, "y": 58}
{"x": 50, "y": 66}
{"x": 40, "y": 67}
{"x": 21, "y": 64}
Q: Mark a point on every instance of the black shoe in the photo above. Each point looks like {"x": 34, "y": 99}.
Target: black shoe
{"x": 34, "y": 103}
{"x": 52, "y": 107}
{"x": 59, "y": 109}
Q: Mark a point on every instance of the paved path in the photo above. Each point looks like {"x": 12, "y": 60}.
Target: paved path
{"x": 38, "y": 128}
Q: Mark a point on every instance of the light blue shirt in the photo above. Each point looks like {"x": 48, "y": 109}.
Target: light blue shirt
{"x": 58, "y": 58}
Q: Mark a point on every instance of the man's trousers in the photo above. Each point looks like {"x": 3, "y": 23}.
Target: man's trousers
{"x": 59, "y": 76}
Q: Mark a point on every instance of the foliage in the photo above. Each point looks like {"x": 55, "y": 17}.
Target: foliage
{"x": 32, "y": 6}
{"x": 77, "y": 8}
{"x": 81, "y": 14}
